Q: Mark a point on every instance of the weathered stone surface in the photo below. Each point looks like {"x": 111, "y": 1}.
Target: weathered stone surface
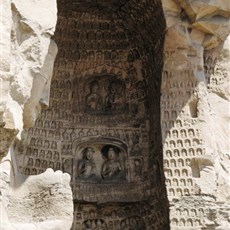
{"x": 44, "y": 201}
{"x": 33, "y": 54}
{"x": 5, "y": 41}
{"x": 97, "y": 127}
{"x": 195, "y": 113}
{"x": 27, "y": 58}
{"x": 103, "y": 124}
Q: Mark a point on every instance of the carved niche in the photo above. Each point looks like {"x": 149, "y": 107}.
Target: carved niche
{"x": 96, "y": 161}
{"x": 100, "y": 95}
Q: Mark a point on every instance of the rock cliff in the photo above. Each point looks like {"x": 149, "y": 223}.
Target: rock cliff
{"x": 106, "y": 90}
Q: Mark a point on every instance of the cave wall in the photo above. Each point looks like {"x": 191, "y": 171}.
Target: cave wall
{"x": 195, "y": 113}
{"x": 27, "y": 55}
{"x": 103, "y": 122}
{"x": 124, "y": 49}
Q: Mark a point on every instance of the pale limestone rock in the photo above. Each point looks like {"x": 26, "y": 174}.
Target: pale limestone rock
{"x": 196, "y": 80}
{"x": 29, "y": 58}
{"x": 32, "y": 47}
{"x": 26, "y": 71}
{"x": 5, "y": 36}
{"x": 209, "y": 17}
{"x": 197, "y": 9}
{"x": 45, "y": 201}
{"x": 40, "y": 89}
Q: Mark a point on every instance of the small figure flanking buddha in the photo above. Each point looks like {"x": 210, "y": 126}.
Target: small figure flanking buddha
{"x": 115, "y": 99}
{"x": 86, "y": 166}
{"x": 112, "y": 168}
{"x": 93, "y": 101}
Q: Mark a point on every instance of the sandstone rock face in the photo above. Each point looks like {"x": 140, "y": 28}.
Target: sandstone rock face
{"x": 102, "y": 123}
{"x": 105, "y": 118}
{"x": 40, "y": 202}
{"x": 195, "y": 113}
{"x": 27, "y": 57}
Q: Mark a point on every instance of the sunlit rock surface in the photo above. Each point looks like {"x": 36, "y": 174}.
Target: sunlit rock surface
{"x": 105, "y": 97}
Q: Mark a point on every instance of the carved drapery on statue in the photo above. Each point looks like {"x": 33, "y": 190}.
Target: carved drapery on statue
{"x": 99, "y": 162}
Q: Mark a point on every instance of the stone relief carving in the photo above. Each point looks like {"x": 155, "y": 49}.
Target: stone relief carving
{"x": 94, "y": 101}
{"x": 97, "y": 224}
{"x": 92, "y": 42}
{"x": 111, "y": 168}
{"x": 132, "y": 223}
{"x": 101, "y": 163}
{"x": 104, "y": 95}
{"x": 115, "y": 217}
{"x": 97, "y": 125}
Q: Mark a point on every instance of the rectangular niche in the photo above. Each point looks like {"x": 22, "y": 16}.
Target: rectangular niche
{"x": 104, "y": 170}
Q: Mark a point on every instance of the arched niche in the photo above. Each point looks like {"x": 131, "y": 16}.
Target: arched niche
{"x": 100, "y": 160}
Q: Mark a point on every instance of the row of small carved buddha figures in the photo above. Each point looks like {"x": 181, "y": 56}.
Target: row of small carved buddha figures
{"x": 60, "y": 104}
{"x": 86, "y": 19}
{"x": 49, "y": 124}
{"x": 93, "y": 45}
{"x": 183, "y": 133}
{"x": 70, "y": 69}
{"x": 50, "y": 134}
{"x": 62, "y": 84}
{"x": 43, "y": 164}
{"x": 42, "y": 154}
{"x": 175, "y": 182}
{"x": 172, "y": 73}
{"x": 177, "y": 163}
{"x": 176, "y": 153}
{"x": 114, "y": 212}
{"x": 185, "y": 223}
{"x": 55, "y": 115}
{"x": 63, "y": 95}
{"x": 131, "y": 223}
{"x": 35, "y": 171}
{"x": 93, "y": 57}
{"x": 165, "y": 115}
{"x": 177, "y": 192}
{"x": 60, "y": 114}
{"x": 178, "y": 123}
{"x": 40, "y": 143}
{"x": 67, "y": 115}
{"x": 181, "y": 143}
{"x": 182, "y": 172}
{"x": 132, "y": 136}
{"x": 173, "y": 105}
{"x": 185, "y": 88}
{"x": 190, "y": 212}
{"x": 91, "y": 34}
{"x": 66, "y": 149}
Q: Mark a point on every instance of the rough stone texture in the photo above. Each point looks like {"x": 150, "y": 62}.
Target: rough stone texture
{"x": 5, "y": 42}
{"x": 103, "y": 124}
{"x": 195, "y": 113}
{"x": 40, "y": 202}
{"x": 27, "y": 57}
{"x": 101, "y": 118}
